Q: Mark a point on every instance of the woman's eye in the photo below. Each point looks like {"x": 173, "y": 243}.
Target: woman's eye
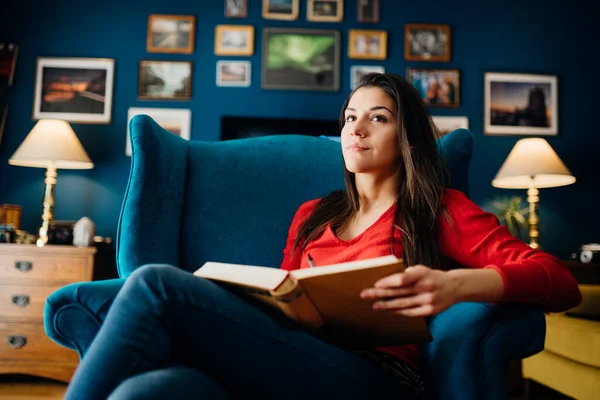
{"x": 350, "y": 118}
{"x": 379, "y": 118}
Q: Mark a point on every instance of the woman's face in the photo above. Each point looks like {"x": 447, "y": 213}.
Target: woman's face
{"x": 369, "y": 136}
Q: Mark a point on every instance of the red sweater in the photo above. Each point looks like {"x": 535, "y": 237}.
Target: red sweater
{"x": 473, "y": 239}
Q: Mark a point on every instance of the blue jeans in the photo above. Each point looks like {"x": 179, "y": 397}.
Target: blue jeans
{"x": 170, "y": 334}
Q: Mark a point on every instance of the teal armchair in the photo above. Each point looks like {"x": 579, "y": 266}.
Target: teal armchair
{"x": 188, "y": 202}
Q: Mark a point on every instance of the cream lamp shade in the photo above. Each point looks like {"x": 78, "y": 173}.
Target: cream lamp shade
{"x": 532, "y": 163}
{"x": 51, "y": 143}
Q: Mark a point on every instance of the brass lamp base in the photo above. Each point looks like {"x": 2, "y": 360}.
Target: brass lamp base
{"x": 47, "y": 215}
{"x": 533, "y": 199}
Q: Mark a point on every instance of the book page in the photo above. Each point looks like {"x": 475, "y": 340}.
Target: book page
{"x": 247, "y": 275}
{"x": 347, "y": 266}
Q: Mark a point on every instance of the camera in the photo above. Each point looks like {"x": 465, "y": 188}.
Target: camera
{"x": 588, "y": 253}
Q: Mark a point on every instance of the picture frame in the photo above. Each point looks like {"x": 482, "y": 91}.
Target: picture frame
{"x": 236, "y": 8}
{"x": 234, "y": 40}
{"x": 448, "y": 124}
{"x": 520, "y": 104}
{"x": 178, "y": 121}
{"x": 233, "y": 73}
{"x": 325, "y": 10}
{"x": 368, "y": 11}
{"x": 286, "y": 10}
{"x": 367, "y": 44}
{"x": 74, "y": 89}
{"x": 427, "y": 42}
{"x": 165, "y": 80}
{"x": 437, "y": 87}
{"x": 173, "y": 34}
{"x": 8, "y": 62}
{"x": 318, "y": 49}
{"x": 357, "y": 71}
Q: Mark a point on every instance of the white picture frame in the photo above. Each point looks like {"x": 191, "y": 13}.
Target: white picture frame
{"x": 233, "y": 73}
{"x": 175, "y": 120}
{"x": 74, "y": 89}
{"x": 357, "y": 71}
{"x": 520, "y": 104}
{"x": 447, "y": 124}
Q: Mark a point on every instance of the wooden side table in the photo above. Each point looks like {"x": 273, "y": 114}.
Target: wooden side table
{"x": 28, "y": 275}
{"x": 585, "y": 274}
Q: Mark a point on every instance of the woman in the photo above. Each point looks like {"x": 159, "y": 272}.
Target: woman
{"x": 169, "y": 334}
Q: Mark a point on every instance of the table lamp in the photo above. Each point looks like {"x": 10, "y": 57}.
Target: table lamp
{"x": 532, "y": 164}
{"x": 51, "y": 144}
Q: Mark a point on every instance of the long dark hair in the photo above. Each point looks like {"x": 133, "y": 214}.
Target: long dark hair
{"x": 419, "y": 189}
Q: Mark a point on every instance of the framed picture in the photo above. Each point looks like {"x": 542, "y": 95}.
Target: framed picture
{"x": 74, "y": 89}
{"x": 3, "y": 113}
{"x": 437, "y": 87}
{"x": 368, "y": 45}
{"x": 236, "y": 8}
{"x": 234, "y": 40}
{"x": 448, "y": 124}
{"x": 233, "y": 73}
{"x": 171, "y": 34}
{"x": 8, "y": 61}
{"x": 325, "y": 10}
{"x": 368, "y": 10}
{"x": 176, "y": 121}
{"x": 427, "y": 42}
{"x": 301, "y": 59}
{"x": 357, "y": 71}
{"x": 280, "y": 9}
{"x": 520, "y": 104}
{"x": 166, "y": 80}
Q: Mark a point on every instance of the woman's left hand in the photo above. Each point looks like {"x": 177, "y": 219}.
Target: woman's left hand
{"x": 417, "y": 292}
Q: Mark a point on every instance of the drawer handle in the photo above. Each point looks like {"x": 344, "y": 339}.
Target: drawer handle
{"x": 23, "y": 266}
{"x": 17, "y": 342}
{"x": 21, "y": 300}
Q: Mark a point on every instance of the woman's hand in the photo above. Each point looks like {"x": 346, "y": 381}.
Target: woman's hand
{"x": 420, "y": 291}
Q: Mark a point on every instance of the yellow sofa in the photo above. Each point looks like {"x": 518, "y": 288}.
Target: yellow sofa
{"x": 570, "y": 361}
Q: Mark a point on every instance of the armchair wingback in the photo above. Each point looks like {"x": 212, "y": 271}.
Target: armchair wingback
{"x": 191, "y": 201}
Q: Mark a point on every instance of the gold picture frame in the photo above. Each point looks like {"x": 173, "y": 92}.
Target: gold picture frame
{"x": 427, "y": 42}
{"x": 171, "y": 34}
{"x": 367, "y": 44}
{"x": 325, "y": 10}
{"x": 234, "y": 40}
{"x": 286, "y": 10}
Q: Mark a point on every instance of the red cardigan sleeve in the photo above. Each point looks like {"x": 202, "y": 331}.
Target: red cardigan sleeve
{"x": 475, "y": 239}
{"x": 293, "y": 262}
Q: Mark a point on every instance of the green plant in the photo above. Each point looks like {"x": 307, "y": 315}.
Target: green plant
{"x": 511, "y": 215}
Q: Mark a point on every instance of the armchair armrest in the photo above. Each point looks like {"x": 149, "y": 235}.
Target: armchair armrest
{"x": 74, "y": 313}
{"x": 472, "y": 345}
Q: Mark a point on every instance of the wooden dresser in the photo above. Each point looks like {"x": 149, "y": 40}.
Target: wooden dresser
{"x": 28, "y": 275}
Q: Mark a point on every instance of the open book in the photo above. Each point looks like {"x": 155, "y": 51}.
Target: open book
{"x": 326, "y": 297}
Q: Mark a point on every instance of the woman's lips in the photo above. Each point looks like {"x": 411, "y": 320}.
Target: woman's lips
{"x": 357, "y": 148}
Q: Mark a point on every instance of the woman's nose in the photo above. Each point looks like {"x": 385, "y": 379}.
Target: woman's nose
{"x": 358, "y": 129}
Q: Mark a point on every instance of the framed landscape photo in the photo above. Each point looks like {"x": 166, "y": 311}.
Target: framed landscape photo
{"x": 325, "y": 10}
{"x": 368, "y": 11}
{"x": 177, "y": 121}
{"x": 74, "y": 89}
{"x": 448, "y": 124}
{"x": 427, "y": 42}
{"x": 369, "y": 45}
{"x": 280, "y": 9}
{"x": 171, "y": 34}
{"x": 437, "y": 87}
{"x": 357, "y": 71}
{"x": 8, "y": 61}
{"x": 233, "y": 73}
{"x": 165, "y": 80}
{"x": 234, "y": 40}
{"x": 520, "y": 104}
{"x": 236, "y": 8}
{"x": 301, "y": 59}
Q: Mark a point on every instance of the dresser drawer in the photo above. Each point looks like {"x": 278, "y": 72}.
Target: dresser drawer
{"x": 24, "y": 301}
{"x": 21, "y": 341}
{"x": 43, "y": 267}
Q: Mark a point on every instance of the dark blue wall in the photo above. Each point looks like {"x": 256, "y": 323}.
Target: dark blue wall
{"x": 549, "y": 37}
